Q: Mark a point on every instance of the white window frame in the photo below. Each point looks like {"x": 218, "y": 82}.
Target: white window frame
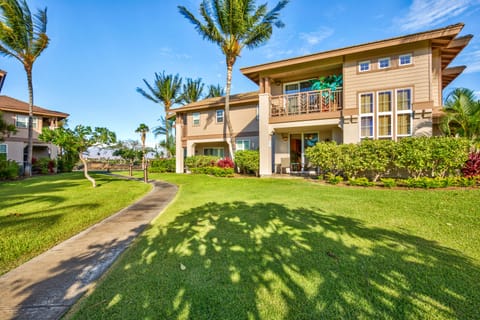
{"x": 366, "y": 115}
{"x": 25, "y": 121}
{"x": 405, "y": 55}
{"x": 240, "y": 144}
{"x": 217, "y": 149}
{"x": 400, "y": 112}
{"x": 299, "y": 86}
{"x": 6, "y": 151}
{"x": 362, "y": 63}
{"x": 384, "y": 113}
{"x": 196, "y": 119}
{"x": 217, "y": 117}
{"x": 382, "y": 60}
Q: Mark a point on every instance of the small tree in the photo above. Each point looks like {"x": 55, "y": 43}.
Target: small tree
{"x": 128, "y": 151}
{"x": 79, "y": 140}
{"x": 143, "y": 129}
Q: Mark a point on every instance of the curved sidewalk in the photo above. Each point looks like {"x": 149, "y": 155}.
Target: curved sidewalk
{"x": 49, "y": 284}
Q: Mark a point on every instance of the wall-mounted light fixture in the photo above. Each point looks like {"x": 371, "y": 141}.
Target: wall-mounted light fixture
{"x": 285, "y": 137}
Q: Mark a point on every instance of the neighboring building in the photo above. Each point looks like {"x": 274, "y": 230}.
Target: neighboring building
{"x": 386, "y": 89}
{"x": 14, "y": 146}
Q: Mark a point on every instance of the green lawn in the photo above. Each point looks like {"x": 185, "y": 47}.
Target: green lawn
{"x": 248, "y": 248}
{"x": 37, "y": 213}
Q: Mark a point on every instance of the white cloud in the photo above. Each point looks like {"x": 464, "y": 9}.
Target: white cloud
{"x": 168, "y": 52}
{"x": 426, "y": 13}
{"x": 313, "y": 38}
{"x": 472, "y": 61}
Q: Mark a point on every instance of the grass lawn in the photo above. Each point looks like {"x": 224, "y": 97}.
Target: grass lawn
{"x": 248, "y": 248}
{"x": 37, "y": 213}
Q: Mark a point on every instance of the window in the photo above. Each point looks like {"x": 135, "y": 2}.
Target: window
{"x": 242, "y": 144}
{"x": 364, "y": 66}
{"x": 22, "y": 121}
{"x": 196, "y": 119}
{"x": 296, "y": 87}
{"x": 3, "y": 152}
{"x": 219, "y": 114}
{"x": 366, "y": 115}
{"x": 217, "y": 152}
{"x": 384, "y": 114}
{"x": 405, "y": 59}
{"x": 404, "y": 113}
{"x": 383, "y": 63}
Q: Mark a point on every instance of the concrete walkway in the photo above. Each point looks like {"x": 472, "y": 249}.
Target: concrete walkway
{"x": 48, "y": 285}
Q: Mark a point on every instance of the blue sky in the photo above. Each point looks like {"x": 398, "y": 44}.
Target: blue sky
{"x": 100, "y": 50}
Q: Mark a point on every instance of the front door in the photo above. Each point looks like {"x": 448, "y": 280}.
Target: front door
{"x": 300, "y": 142}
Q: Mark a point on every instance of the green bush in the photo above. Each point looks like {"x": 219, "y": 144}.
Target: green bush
{"x": 363, "y": 182}
{"x": 326, "y": 156}
{"x": 333, "y": 179}
{"x": 200, "y": 162}
{"x": 248, "y": 161}
{"x": 161, "y": 165}
{"x": 9, "y": 170}
{"x": 389, "y": 182}
{"x": 214, "y": 171}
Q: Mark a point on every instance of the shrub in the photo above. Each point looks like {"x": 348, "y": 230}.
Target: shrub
{"x": 326, "y": 156}
{"x": 225, "y": 163}
{"x": 214, "y": 171}
{"x": 200, "y": 162}
{"x": 247, "y": 161}
{"x": 363, "y": 182}
{"x": 161, "y": 165}
{"x": 389, "y": 182}
{"x": 9, "y": 170}
{"x": 333, "y": 179}
{"x": 44, "y": 165}
{"x": 471, "y": 167}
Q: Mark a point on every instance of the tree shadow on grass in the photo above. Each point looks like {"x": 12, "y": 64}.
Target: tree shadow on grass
{"x": 267, "y": 261}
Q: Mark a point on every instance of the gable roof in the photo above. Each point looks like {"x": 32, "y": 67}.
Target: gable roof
{"x": 235, "y": 99}
{"x": 442, "y": 38}
{"x": 13, "y": 105}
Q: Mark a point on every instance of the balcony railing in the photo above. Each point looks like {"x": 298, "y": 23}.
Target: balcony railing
{"x": 306, "y": 102}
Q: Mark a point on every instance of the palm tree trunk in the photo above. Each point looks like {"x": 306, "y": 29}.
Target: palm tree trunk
{"x": 230, "y": 142}
{"x": 85, "y": 170}
{"x": 28, "y": 165}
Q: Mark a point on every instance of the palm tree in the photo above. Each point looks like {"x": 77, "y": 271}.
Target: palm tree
{"x": 166, "y": 129}
{"x": 143, "y": 129}
{"x": 165, "y": 90}
{"x": 462, "y": 115}
{"x": 233, "y": 25}
{"x": 215, "y": 91}
{"x": 23, "y": 37}
{"x": 192, "y": 90}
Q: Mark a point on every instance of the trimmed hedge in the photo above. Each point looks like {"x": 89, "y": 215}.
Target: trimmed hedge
{"x": 415, "y": 157}
{"x": 161, "y": 165}
{"x": 248, "y": 161}
{"x": 210, "y": 165}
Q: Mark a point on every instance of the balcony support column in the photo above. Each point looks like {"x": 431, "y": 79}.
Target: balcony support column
{"x": 264, "y": 135}
{"x": 178, "y": 147}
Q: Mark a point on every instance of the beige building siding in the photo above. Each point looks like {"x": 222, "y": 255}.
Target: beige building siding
{"x": 413, "y": 76}
{"x": 244, "y": 119}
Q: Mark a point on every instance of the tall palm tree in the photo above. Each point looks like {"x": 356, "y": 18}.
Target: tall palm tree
{"x": 215, "y": 91}
{"x": 169, "y": 143}
{"x": 23, "y": 37}
{"x": 143, "y": 129}
{"x": 192, "y": 90}
{"x": 233, "y": 25}
{"x": 165, "y": 90}
{"x": 462, "y": 115}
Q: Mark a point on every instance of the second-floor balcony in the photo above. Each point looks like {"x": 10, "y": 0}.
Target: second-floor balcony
{"x": 306, "y": 103}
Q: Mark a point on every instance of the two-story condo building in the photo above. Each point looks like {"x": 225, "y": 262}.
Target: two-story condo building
{"x": 385, "y": 89}
{"x": 14, "y": 146}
